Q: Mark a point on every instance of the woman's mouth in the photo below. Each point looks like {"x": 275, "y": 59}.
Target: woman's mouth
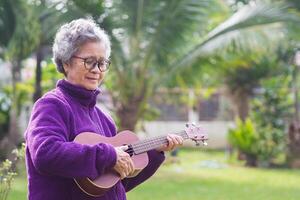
{"x": 92, "y": 79}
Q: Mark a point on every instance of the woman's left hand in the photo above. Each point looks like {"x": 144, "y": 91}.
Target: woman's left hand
{"x": 174, "y": 141}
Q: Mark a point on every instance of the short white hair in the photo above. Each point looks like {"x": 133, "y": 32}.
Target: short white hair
{"x": 71, "y": 36}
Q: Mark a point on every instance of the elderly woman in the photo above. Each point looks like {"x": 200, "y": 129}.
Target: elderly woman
{"x": 81, "y": 52}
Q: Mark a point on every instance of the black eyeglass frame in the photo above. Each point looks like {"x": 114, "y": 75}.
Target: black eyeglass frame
{"x": 98, "y": 63}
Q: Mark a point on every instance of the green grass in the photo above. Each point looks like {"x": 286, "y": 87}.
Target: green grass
{"x": 192, "y": 179}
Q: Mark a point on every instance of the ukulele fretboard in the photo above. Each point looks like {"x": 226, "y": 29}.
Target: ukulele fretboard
{"x": 153, "y": 143}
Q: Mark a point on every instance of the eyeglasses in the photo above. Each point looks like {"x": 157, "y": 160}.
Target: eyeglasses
{"x": 90, "y": 63}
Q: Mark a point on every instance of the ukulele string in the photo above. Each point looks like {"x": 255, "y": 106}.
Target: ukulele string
{"x": 148, "y": 144}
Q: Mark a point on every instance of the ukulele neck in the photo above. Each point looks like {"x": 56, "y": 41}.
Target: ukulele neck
{"x": 153, "y": 143}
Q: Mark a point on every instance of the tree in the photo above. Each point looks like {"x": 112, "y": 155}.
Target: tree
{"x": 242, "y": 75}
{"x": 19, "y": 28}
{"x": 242, "y": 62}
{"x": 144, "y": 46}
{"x": 50, "y": 15}
{"x": 152, "y": 41}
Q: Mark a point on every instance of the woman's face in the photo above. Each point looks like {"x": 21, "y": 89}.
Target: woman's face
{"x": 76, "y": 72}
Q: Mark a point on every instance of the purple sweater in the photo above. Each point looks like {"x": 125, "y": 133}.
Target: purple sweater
{"x": 53, "y": 160}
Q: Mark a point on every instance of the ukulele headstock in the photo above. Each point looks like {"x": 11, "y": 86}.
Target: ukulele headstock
{"x": 196, "y": 133}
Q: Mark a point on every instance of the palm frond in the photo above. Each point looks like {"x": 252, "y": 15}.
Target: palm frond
{"x": 248, "y": 22}
{"x": 7, "y": 22}
{"x": 174, "y": 26}
{"x": 23, "y": 40}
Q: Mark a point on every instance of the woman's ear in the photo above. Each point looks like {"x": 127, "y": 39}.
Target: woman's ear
{"x": 66, "y": 67}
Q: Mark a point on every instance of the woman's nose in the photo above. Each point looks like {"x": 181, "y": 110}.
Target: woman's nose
{"x": 96, "y": 69}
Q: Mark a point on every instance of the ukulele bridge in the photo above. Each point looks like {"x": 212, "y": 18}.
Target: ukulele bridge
{"x": 130, "y": 150}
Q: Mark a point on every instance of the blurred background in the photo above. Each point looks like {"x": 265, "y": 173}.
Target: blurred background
{"x": 231, "y": 66}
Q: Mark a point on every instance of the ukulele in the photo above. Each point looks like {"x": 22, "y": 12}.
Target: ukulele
{"x": 137, "y": 149}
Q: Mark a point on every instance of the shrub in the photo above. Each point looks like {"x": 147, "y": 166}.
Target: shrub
{"x": 8, "y": 172}
{"x": 244, "y": 137}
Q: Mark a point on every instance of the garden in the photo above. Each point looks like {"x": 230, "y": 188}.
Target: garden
{"x": 171, "y": 57}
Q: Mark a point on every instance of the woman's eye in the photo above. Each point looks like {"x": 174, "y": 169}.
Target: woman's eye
{"x": 90, "y": 61}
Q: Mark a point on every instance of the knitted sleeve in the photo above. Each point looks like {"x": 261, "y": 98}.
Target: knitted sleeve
{"x": 47, "y": 140}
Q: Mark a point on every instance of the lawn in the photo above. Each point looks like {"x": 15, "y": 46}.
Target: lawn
{"x": 207, "y": 176}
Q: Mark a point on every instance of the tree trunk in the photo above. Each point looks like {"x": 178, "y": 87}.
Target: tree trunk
{"x": 13, "y": 137}
{"x": 38, "y": 75}
{"x": 16, "y": 76}
{"x": 129, "y": 113}
{"x": 128, "y": 116}
{"x": 251, "y": 160}
{"x": 13, "y": 124}
{"x": 294, "y": 144}
{"x": 241, "y": 102}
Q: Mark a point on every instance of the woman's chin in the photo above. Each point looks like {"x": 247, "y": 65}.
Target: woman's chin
{"x": 94, "y": 87}
{"x": 90, "y": 86}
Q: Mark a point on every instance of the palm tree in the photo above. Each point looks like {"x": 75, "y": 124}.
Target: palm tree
{"x": 242, "y": 74}
{"x": 294, "y": 126}
{"x": 152, "y": 41}
{"x": 50, "y": 19}
{"x": 18, "y": 28}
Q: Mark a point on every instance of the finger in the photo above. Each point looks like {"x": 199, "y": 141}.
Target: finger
{"x": 126, "y": 155}
{"x": 127, "y": 166}
{"x": 179, "y": 140}
{"x": 170, "y": 141}
{"x": 131, "y": 166}
{"x": 126, "y": 172}
{"x": 121, "y": 172}
{"x": 124, "y": 148}
{"x": 123, "y": 175}
{"x": 175, "y": 141}
{"x": 124, "y": 169}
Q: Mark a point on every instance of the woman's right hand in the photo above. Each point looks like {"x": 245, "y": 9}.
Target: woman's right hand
{"x": 124, "y": 165}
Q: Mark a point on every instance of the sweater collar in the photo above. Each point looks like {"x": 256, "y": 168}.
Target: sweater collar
{"x": 78, "y": 93}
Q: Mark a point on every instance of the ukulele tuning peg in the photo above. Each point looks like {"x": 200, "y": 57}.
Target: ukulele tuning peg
{"x": 203, "y": 142}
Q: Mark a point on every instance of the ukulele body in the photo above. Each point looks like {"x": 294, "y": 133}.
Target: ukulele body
{"x": 101, "y": 184}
